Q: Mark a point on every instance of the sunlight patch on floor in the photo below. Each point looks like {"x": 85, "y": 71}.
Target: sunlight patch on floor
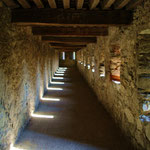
{"x": 49, "y": 99}
{"x": 55, "y": 89}
{"x": 42, "y": 116}
{"x": 60, "y": 72}
{"x": 58, "y": 78}
{"x": 61, "y": 83}
{"x": 56, "y": 74}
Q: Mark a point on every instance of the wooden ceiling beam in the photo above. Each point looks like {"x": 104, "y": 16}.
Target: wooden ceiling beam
{"x": 60, "y": 17}
{"x": 93, "y": 3}
{"x": 65, "y": 50}
{"x": 52, "y": 3}
{"x": 133, "y": 4}
{"x": 79, "y": 4}
{"x": 38, "y": 3}
{"x": 119, "y": 4}
{"x": 67, "y": 45}
{"x": 24, "y": 3}
{"x": 66, "y": 4}
{"x": 70, "y": 31}
{"x": 106, "y": 4}
{"x": 10, "y": 3}
{"x": 74, "y": 43}
{"x": 74, "y": 40}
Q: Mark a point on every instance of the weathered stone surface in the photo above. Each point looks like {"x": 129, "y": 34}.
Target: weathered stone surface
{"x": 25, "y": 67}
{"x": 147, "y": 131}
{"x": 129, "y": 115}
{"x": 123, "y": 100}
{"x": 139, "y": 124}
{"x": 144, "y": 83}
{"x": 139, "y": 138}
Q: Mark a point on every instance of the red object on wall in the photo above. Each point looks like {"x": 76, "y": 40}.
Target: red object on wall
{"x": 116, "y": 78}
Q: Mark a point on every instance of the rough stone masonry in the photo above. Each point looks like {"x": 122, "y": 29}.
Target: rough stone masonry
{"x": 124, "y": 99}
{"x": 25, "y": 67}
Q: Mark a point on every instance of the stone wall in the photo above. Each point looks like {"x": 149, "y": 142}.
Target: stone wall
{"x": 121, "y": 98}
{"x": 26, "y": 65}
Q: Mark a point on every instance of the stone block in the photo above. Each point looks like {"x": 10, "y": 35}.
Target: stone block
{"x": 147, "y": 131}
{"x": 129, "y": 115}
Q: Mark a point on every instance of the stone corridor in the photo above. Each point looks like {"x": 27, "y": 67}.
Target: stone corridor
{"x": 101, "y": 101}
{"x": 75, "y": 119}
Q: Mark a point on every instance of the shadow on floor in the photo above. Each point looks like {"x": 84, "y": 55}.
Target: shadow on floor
{"x": 79, "y": 123}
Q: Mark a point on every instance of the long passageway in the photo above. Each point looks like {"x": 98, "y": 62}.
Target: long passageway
{"x": 70, "y": 117}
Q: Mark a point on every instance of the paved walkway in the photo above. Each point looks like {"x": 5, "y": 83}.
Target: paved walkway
{"x": 79, "y": 123}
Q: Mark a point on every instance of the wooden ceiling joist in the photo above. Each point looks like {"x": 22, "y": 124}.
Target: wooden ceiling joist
{"x": 66, "y": 4}
{"x": 67, "y": 45}
{"x": 59, "y": 17}
{"x": 67, "y": 49}
{"x": 10, "y": 3}
{"x": 94, "y": 3}
{"x": 70, "y": 31}
{"x": 107, "y": 4}
{"x": 75, "y": 40}
{"x": 38, "y": 3}
{"x": 121, "y": 3}
{"x": 79, "y": 4}
{"x": 24, "y": 3}
{"x": 52, "y": 3}
{"x": 64, "y": 47}
{"x": 133, "y": 4}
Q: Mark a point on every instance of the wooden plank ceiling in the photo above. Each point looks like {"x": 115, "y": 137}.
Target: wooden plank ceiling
{"x": 69, "y": 25}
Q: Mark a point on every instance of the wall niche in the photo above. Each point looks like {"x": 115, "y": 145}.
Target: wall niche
{"x": 115, "y": 63}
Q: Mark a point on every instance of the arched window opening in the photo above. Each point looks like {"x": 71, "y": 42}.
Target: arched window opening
{"x": 115, "y": 64}
{"x": 102, "y": 69}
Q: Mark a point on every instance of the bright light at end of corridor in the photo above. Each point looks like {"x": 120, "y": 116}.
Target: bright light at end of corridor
{"x": 50, "y": 99}
{"x": 42, "y": 116}
{"x": 57, "y": 89}
{"x": 58, "y": 78}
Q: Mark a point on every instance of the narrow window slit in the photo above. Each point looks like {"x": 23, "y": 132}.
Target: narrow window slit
{"x": 115, "y": 64}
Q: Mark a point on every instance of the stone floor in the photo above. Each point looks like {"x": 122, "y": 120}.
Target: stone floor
{"x": 80, "y": 122}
